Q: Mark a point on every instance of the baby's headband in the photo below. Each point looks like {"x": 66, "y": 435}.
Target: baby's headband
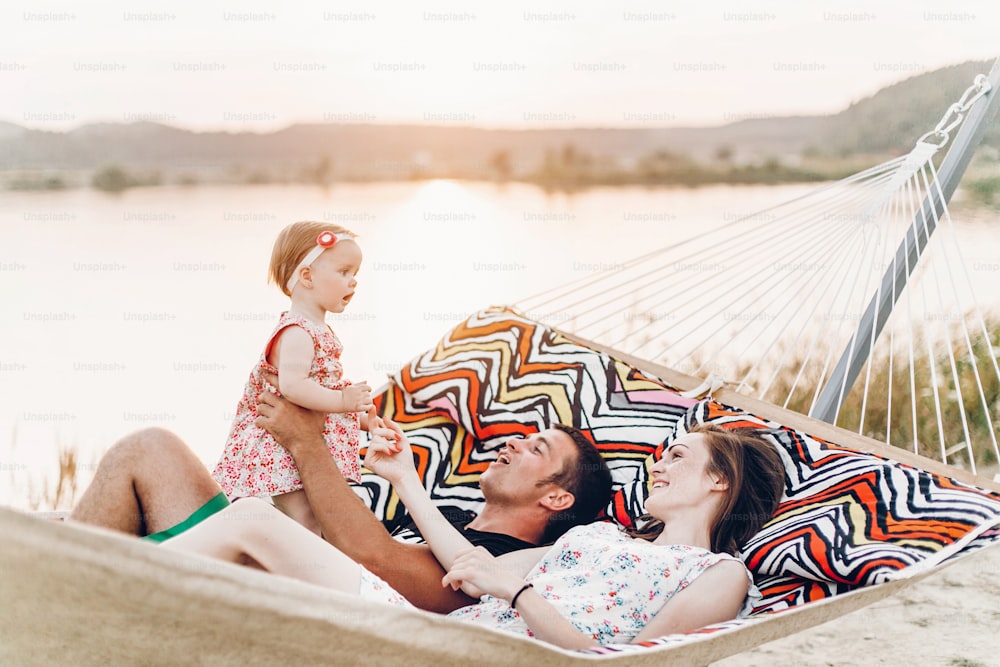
{"x": 323, "y": 241}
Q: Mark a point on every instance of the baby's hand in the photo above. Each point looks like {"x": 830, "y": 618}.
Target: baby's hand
{"x": 357, "y": 397}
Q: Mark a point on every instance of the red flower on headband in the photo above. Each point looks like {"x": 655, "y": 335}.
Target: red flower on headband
{"x": 326, "y": 239}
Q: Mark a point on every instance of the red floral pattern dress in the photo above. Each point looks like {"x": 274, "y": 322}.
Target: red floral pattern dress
{"x": 253, "y": 464}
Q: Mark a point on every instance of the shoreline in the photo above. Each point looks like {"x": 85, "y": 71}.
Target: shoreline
{"x": 979, "y": 191}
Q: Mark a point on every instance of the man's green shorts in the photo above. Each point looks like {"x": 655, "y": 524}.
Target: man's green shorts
{"x": 217, "y": 503}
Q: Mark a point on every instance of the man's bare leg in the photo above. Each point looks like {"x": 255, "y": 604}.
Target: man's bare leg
{"x": 147, "y": 482}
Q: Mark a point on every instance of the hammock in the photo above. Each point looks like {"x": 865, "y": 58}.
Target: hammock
{"x": 852, "y": 528}
{"x": 859, "y": 520}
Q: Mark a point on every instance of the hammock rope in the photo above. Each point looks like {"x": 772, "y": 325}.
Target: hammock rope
{"x": 781, "y": 301}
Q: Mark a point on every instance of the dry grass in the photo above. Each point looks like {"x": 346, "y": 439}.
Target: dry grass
{"x": 932, "y": 425}
{"x": 934, "y": 421}
{"x": 60, "y": 495}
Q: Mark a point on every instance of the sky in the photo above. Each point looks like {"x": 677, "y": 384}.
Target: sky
{"x": 261, "y": 66}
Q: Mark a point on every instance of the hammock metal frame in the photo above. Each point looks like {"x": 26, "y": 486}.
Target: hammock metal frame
{"x": 982, "y": 110}
{"x": 688, "y": 295}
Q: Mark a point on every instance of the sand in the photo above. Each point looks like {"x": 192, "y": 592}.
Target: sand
{"x": 950, "y": 618}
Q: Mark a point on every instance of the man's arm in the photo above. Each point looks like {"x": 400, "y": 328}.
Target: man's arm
{"x": 345, "y": 520}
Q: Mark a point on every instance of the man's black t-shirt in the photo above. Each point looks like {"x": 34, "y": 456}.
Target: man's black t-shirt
{"x": 496, "y": 543}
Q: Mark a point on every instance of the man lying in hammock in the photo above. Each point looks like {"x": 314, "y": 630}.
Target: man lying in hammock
{"x": 151, "y": 484}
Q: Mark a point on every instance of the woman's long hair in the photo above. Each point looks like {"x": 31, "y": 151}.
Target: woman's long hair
{"x": 756, "y": 478}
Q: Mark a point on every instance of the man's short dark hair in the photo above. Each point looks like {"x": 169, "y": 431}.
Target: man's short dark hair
{"x": 587, "y": 477}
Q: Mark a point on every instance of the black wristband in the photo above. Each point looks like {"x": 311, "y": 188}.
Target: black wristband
{"x": 513, "y": 600}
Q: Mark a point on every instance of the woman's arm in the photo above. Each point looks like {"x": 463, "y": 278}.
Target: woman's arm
{"x": 347, "y": 522}
{"x": 713, "y": 597}
{"x": 398, "y": 469}
{"x": 294, "y": 358}
{"x": 716, "y": 595}
{"x": 478, "y": 572}
{"x": 547, "y": 624}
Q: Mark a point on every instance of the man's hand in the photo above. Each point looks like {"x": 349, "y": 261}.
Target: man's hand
{"x": 389, "y": 455}
{"x": 292, "y": 426}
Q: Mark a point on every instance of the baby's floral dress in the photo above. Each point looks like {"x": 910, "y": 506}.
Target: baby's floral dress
{"x": 253, "y": 464}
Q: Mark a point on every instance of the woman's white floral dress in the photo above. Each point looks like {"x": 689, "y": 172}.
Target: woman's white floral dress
{"x": 608, "y": 585}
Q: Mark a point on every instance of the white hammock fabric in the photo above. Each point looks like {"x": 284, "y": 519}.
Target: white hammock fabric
{"x": 99, "y": 598}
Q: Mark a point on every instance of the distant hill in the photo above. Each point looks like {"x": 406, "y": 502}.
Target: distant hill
{"x": 888, "y": 122}
{"x": 895, "y": 117}
{"x": 151, "y": 144}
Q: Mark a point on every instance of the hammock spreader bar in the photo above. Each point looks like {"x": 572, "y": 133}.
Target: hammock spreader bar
{"x": 981, "y": 113}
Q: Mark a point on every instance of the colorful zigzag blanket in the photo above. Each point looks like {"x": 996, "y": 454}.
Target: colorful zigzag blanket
{"x": 848, "y": 519}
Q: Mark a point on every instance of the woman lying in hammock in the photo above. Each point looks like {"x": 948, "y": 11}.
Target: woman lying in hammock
{"x": 711, "y": 491}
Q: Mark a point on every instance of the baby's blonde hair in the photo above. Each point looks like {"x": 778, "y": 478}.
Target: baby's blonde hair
{"x": 292, "y": 244}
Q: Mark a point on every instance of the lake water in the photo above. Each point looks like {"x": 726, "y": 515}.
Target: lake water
{"x": 150, "y": 307}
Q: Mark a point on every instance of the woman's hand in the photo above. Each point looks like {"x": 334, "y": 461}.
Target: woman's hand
{"x": 382, "y": 443}
{"x": 477, "y": 572}
{"x": 389, "y": 455}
